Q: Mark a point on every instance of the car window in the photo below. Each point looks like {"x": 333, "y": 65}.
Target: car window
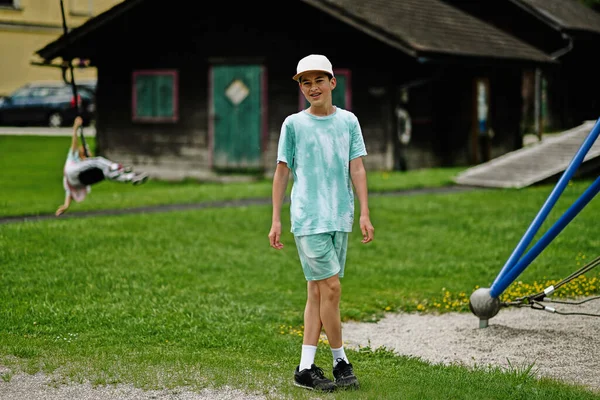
{"x": 69, "y": 90}
{"x": 65, "y": 90}
{"x": 86, "y": 92}
{"x": 44, "y": 91}
{"x": 20, "y": 93}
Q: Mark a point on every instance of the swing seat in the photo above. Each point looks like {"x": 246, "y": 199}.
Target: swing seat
{"x": 91, "y": 176}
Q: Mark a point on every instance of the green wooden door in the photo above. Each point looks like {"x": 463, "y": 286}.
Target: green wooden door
{"x": 236, "y": 117}
{"x": 338, "y": 96}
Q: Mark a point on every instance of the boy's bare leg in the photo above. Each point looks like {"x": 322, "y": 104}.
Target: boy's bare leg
{"x": 312, "y": 315}
{"x": 307, "y": 374}
{"x": 331, "y": 291}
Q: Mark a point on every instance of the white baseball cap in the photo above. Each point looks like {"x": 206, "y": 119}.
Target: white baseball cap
{"x": 313, "y": 62}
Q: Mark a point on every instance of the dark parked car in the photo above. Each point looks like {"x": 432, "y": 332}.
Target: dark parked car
{"x": 88, "y": 84}
{"x": 48, "y": 104}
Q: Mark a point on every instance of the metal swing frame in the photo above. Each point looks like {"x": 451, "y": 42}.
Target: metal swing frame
{"x": 517, "y": 262}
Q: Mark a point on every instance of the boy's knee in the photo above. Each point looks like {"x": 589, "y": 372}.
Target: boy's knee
{"x": 331, "y": 287}
{"x": 334, "y": 282}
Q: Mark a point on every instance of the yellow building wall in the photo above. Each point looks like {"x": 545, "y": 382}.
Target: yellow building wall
{"x": 31, "y": 25}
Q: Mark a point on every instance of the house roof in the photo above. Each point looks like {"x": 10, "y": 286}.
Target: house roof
{"x": 566, "y": 14}
{"x": 427, "y": 27}
{"x": 57, "y": 48}
{"x": 424, "y": 29}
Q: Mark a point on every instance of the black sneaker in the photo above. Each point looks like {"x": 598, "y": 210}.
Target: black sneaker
{"x": 313, "y": 379}
{"x": 344, "y": 375}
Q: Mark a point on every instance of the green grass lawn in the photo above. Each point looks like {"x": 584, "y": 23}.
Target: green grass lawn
{"x": 197, "y": 298}
{"x": 32, "y": 182}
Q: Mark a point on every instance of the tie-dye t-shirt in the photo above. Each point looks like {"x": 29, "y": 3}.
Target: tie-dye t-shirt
{"x": 318, "y": 151}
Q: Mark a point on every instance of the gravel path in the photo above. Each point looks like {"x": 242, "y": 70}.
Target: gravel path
{"x": 41, "y": 387}
{"x": 563, "y": 347}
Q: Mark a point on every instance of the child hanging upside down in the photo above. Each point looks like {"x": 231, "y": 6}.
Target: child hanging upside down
{"x": 80, "y": 172}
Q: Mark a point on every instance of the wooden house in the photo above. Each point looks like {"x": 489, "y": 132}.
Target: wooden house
{"x": 557, "y": 96}
{"x": 193, "y": 94}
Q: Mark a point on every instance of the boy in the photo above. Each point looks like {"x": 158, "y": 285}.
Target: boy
{"x": 80, "y": 172}
{"x": 323, "y": 148}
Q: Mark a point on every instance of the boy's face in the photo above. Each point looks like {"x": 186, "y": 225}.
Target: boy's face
{"x": 316, "y": 88}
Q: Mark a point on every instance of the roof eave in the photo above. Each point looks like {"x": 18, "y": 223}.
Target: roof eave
{"x": 54, "y": 49}
{"x": 542, "y": 16}
{"x": 551, "y": 21}
{"x": 433, "y": 56}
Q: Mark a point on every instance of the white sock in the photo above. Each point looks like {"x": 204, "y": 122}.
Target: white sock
{"x": 308, "y": 356}
{"x": 339, "y": 353}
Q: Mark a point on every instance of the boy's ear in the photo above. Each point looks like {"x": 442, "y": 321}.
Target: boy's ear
{"x": 333, "y": 82}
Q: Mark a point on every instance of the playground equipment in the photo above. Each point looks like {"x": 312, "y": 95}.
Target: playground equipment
{"x": 72, "y": 81}
{"x": 485, "y": 302}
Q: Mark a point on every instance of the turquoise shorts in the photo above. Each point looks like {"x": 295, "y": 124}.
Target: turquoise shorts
{"x": 322, "y": 255}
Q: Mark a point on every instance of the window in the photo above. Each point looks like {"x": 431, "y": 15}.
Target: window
{"x": 21, "y": 93}
{"x": 10, "y": 3}
{"x": 483, "y": 105}
{"x": 44, "y": 92}
{"x": 155, "y": 94}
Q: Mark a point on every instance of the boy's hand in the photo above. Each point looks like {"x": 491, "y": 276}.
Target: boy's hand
{"x": 366, "y": 228}
{"x": 275, "y": 236}
{"x": 60, "y": 210}
{"x": 78, "y": 122}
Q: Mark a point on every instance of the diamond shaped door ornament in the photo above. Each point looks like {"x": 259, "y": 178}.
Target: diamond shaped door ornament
{"x": 237, "y": 92}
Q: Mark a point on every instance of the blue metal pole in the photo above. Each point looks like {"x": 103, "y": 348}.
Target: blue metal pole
{"x": 500, "y": 285}
{"x": 550, "y": 202}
